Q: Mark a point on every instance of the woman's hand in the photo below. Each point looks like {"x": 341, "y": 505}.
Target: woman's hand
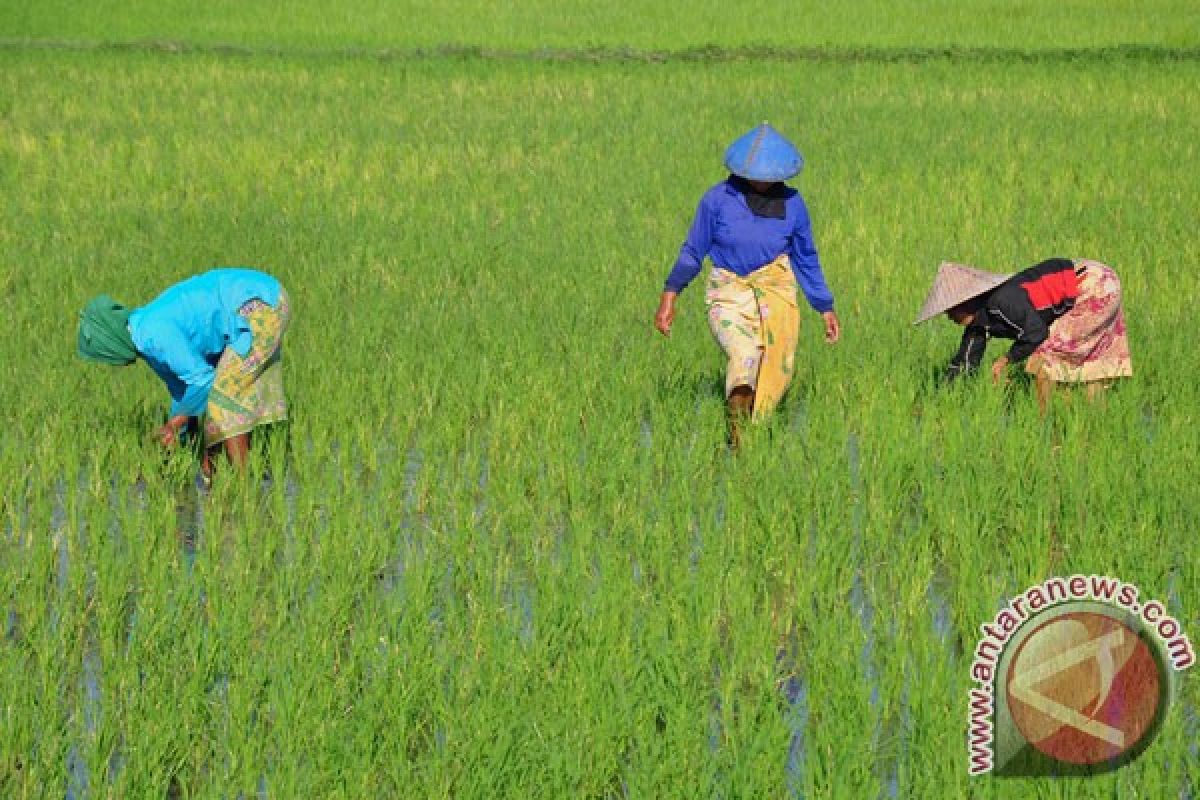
{"x": 666, "y": 313}
{"x": 833, "y": 328}
{"x": 168, "y": 435}
{"x": 998, "y": 368}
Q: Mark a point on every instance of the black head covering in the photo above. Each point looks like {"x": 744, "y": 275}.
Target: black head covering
{"x": 770, "y": 203}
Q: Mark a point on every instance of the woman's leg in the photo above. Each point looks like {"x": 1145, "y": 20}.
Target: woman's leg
{"x": 741, "y": 406}
{"x": 237, "y": 448}
{"x": 735, "y": 321}
{"x": 1045, "y": 388}
{"x": 1043, "y": 385}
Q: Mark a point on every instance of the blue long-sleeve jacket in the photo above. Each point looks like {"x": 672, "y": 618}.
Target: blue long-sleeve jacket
{"x": 726, "y": 230}
{"x": 182, "y": 332}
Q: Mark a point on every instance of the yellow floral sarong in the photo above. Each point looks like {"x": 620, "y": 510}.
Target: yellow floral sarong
{"x": 248, "y": 391}
{"x": 757, "y": 322}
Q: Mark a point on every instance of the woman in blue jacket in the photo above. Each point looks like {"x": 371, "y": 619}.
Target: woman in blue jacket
{"x": 214, "y": 340}
{"x": 756, "y": 231}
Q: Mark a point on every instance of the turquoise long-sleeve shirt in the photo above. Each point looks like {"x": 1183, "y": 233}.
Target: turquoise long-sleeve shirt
{"x": 182, "y": 332}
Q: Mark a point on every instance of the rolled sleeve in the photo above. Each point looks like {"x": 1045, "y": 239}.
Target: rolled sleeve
{"x": 194, "y": 400}
{"x": 694, "y": 250}
{"x": 188, "y": 376}
{"x": 1021, "y": 316}
{"x": 197, "y": 376}
{"x": 807, "y": 266}
{"x": 970, "y": 353}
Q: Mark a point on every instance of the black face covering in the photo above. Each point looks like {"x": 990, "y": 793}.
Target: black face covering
{"x": 770, "y": 203}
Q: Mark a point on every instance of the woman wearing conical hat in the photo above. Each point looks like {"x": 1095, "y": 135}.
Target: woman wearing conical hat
{"x": 214, "y": 340}
{"x": 1064, "y": 317}
{"x": 756, "y": 231}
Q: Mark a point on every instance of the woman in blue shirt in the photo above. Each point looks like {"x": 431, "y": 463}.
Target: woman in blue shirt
{"x": 758, "y": 234}
{"x": 214, "y": 340}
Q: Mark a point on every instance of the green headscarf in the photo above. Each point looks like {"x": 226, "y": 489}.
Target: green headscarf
{"x": 104, "y": 333}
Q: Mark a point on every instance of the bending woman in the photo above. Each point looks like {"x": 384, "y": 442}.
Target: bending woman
{"x": 1064, "y": 317}
{"x": 214, "y": 339}
{"x": 756, "y": 230}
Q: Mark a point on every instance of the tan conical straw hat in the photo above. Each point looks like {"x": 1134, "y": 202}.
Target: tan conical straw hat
{"x": 954, "y": 284}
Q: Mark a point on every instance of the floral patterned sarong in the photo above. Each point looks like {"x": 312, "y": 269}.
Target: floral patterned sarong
{"x": 756, "y": 321}
{"x": 1089, "y": 342}
{"x": 248, "y": 391}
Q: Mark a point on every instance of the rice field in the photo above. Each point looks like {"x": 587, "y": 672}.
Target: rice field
{"x": 501, "y": 549}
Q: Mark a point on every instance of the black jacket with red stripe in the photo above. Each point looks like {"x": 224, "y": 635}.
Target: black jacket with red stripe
{"x": 1022, "y": 308}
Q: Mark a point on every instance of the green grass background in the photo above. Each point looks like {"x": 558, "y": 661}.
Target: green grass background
{"x": 1018, "y": 24}
{"x": 507, "y": 554}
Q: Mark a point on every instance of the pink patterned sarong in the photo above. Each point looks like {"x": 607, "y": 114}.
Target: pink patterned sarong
{"x": 1089, "y": 342}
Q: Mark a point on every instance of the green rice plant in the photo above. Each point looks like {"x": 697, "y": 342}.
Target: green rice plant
{"x": 501, "y": 548}
{"x": 470, "y": 26}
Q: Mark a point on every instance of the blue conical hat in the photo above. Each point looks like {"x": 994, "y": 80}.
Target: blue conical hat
{"x": 763, "y": 155}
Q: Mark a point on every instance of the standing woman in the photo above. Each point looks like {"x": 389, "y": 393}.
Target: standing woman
{"x": 757, "y": 232}
{"x": 1064, "y": 316}
{"x": 214, "y": 339}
